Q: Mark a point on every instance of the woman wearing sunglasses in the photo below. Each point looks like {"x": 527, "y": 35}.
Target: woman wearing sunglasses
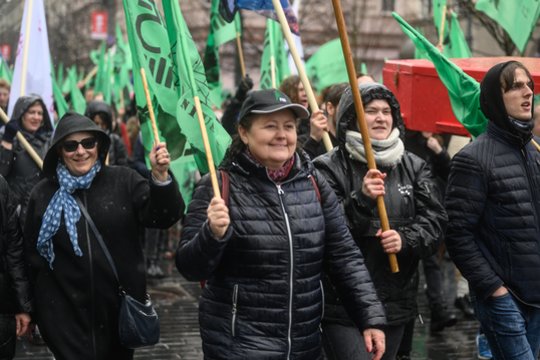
{"x": 76, "y": 294}
{"x": 30, "y": 118}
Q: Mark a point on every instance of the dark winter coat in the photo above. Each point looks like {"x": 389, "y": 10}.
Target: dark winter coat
{"x": 77, "y": 301}
{"x": 14, "y": 286}
{"x": 16, "y": 165}
{"x": 493, "y": 203}
{"x": 263, "y": 298}
{"x": 413, "y": 210}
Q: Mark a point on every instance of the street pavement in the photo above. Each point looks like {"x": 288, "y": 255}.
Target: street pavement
{"x": 176, "y": 303}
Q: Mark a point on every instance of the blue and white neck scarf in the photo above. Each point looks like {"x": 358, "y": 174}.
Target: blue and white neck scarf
{"x": 62, "y": 200}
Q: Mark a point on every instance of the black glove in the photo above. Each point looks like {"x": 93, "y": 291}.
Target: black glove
{"x": 10, "y": 130}
{"x": 245, "y": 85}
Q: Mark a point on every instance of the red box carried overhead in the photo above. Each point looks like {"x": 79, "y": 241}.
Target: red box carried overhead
{"x": 423, "y": 97}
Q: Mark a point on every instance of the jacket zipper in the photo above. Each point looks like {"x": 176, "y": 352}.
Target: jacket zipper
{"x": 234, "y": 309}
{"x": 291, "y": 269}
{"x": 323, "y": 301}
{"x": 92, "y": 290}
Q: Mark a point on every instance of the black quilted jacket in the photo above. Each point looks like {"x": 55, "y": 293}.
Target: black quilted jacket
{"x": 493, "y": 205}
{"x": 263, "y": 298}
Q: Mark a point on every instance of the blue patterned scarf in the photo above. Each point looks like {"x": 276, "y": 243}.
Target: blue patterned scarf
{"x": 62, "y": 200}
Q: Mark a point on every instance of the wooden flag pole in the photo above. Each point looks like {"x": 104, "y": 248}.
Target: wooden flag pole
{"x": 150, "y": 107}
{"x": 385, "y": 224}
{"x": 207, "y": 149}
{"x": 240, "y": 54}
{"x": 441, "y": 31}
{"x": 89, "y": 76}
{"x": 24, "y": 143}
{"x": 300, "y": 67}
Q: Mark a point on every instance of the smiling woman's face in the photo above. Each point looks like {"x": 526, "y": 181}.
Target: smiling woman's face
{"x": 271, "y": 139}
{"x": 81, "y": 159}
{"x": 378, "y": 119}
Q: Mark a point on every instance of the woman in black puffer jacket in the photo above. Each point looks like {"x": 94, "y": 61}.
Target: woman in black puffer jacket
{"x": 263, "y": 253}
{"x": 417, "y": 218}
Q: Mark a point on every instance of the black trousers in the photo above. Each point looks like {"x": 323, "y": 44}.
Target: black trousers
{"x": 8, "y": 336}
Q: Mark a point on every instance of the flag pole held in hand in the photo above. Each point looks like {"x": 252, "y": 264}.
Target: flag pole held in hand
{"x": 385, "y": 224}
{"x": 300, "y": 67}
{"x": 150, "y": 107}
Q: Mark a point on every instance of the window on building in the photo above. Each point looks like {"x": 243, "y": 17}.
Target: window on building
{"x": 388, "y": 5}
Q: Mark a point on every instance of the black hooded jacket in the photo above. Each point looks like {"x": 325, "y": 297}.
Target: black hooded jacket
{"x": 77, "y": 300}
{"x": 117, "y": 150}
{"x": 412, "y": 207}
{"x": 16, "y": 165}
{"x": 14, "y": 286}
{"x": 493, "y": 203}
{"x": 263, "y": 298}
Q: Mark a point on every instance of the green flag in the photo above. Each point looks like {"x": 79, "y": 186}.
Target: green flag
{"x": 102, "y": 83}
{"x": 518, "y": 18}
{"x": 456, "y": 46}
{"x": 463, "y": 90}
{"x": 220, "y": 33}
{"x": 77, "y": 99}
{"x": 5, "y": 72}
{"x": 150, "y": 49}
{"x": 192, "y": 80}
{"x": 327, "y": 66}
{"x": 273, "y": 48}
{"x": 61, "y": 104}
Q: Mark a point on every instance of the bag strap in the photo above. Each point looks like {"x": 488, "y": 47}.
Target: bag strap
{"x": 99, "y": 239}
{"x": 224, "y": 186}
{"x": 315, "y": 186}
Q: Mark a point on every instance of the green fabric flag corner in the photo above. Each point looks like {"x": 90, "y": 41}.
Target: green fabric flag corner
{"x": 274, "y": 48}
{"x": 327, "y": 66}
{"x": 517, "y": 18}
{"x": 455, "y": 45}
{"x": 463, "y": 90}
{"x": 5, "y": 72}
{"x": 78, "y": 103}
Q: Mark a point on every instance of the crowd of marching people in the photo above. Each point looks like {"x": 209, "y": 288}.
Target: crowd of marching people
{"x": 293, "y": 256}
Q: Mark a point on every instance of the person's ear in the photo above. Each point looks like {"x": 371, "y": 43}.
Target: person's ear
{"x": 242, "y": 132}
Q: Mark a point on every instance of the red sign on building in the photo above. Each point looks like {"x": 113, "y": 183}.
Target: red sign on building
{"x": 99, "y": 20}
{"x": 5, "y": 51}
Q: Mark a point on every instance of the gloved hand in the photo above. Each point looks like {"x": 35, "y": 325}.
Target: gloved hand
{"x": 10, "y": 130}
{"x": 245, "y": 85}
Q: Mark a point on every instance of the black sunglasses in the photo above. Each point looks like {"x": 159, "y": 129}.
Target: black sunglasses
{"x": 72, "y": 145}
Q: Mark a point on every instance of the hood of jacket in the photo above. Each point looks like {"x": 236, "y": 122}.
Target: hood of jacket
{"x": 492, "y": 103}
{"x": 99, "y": 107}
{"x": 346, "y": 115}
{"x": 69, "y": 124}
{"x": 23, "y": 104}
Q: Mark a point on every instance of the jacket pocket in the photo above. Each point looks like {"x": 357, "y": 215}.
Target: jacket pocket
{"x": 234, "y": 309}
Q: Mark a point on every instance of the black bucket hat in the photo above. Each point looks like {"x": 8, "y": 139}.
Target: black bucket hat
{"x": 72, "y": 123}
{"x": 269, "y": 101}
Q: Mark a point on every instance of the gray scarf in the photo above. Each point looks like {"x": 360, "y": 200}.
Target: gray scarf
{"x": 387, "y": 153}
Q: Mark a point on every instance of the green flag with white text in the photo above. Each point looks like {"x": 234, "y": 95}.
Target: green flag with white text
{"x": 518, "y": 17}
{"x": 273, "y": 48}
{"x": 463, "y": 90}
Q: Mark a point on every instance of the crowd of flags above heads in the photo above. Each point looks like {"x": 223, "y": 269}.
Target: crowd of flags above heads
{"x": 177, "y": 75}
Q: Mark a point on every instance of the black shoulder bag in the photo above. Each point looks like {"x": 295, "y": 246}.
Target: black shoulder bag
{"x": 138, "y": 324}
